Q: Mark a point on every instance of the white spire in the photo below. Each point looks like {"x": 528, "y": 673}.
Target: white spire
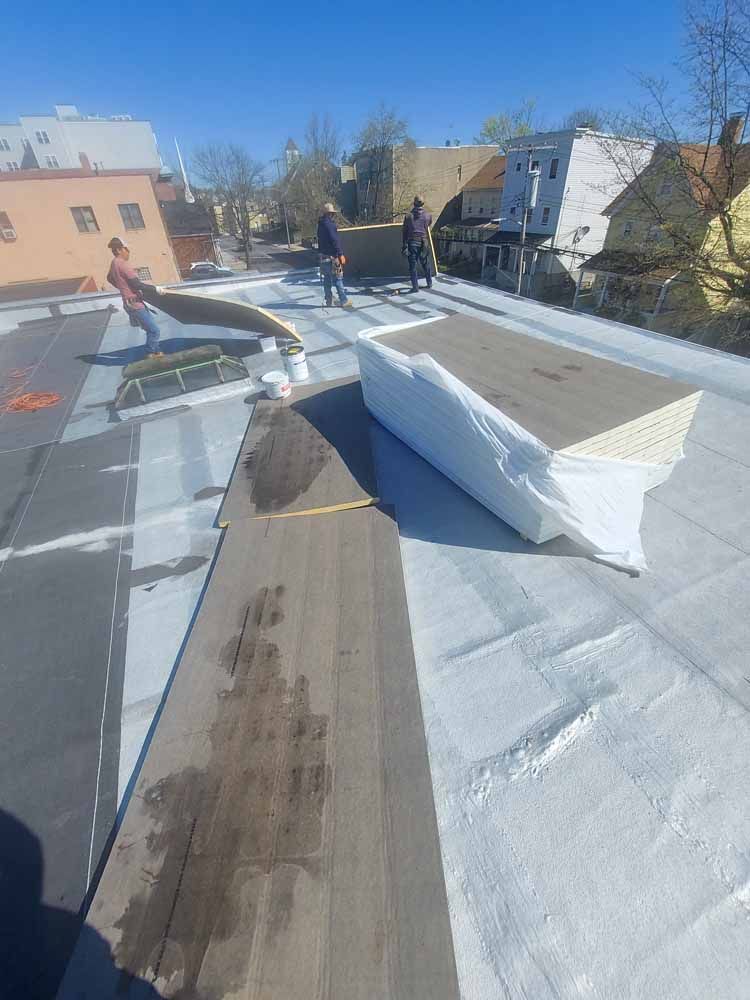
{"x": 189, "y": 196}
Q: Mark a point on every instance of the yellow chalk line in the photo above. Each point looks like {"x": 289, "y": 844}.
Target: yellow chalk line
{"x": 353, "y": 505}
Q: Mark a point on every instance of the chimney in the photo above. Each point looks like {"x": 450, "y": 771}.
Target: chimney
{"x": 733, "y": 128}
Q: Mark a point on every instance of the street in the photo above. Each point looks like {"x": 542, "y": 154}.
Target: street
{"x": 266, "y": 256}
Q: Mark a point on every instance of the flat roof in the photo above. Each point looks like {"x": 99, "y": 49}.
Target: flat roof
{"x": 43, "y": 290}
{"x": 587, "y": 732}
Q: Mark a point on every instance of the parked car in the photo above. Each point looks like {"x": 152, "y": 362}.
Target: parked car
{"x": 203, "y": 269}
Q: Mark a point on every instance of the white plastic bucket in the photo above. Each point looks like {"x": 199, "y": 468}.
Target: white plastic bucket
{"x": 276, "y": 384}
{"x": 296, "y": 363}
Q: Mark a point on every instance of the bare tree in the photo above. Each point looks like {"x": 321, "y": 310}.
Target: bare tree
{"x": 500, "y": 129}
{"x": 688, "y": 192}
{"x": 382, "y": 133}
{"x": 593, "y": 117}
{"x": 315, "y": 179}
{"x": 236, "y": 179}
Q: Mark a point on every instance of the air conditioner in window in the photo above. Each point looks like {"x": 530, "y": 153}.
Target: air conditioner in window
{"x": 8, "y": 234}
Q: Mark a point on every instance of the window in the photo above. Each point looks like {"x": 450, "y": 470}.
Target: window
{"x": 666, "y": 187}
{"x": 143, "y": 273}
{"x": 131, "y": 216}
{"x": 51, "y": 161}
{"x": 529, "y": 213}
{"x": 85, "y": 219}
{"x": 654, "y": 233}
{"x": 13, "y": 165}
{"x": 545, "y": 216}
{"x": 4, "y": 144}
{"x": 553, "y": 168}
{"x": 7, "y": 232}
{"x": 41, "y": 137}
{"x": 518, "y": 165}
{"x": 26, "y": 143}
{"x": 535, "y": 164}
{"x": 627, "y": 229}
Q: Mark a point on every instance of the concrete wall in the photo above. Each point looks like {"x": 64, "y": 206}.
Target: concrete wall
{"x": 48, "y": 243}
{"x": 437, "y": 173}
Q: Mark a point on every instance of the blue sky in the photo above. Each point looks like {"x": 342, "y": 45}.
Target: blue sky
{"x": 254, "y": 73}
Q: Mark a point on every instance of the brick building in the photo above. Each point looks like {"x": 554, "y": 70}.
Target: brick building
{"x": 190, "y": 232}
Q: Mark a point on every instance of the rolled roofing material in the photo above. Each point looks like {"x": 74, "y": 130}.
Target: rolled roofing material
{"x": 304, "y": 452}
{"x": 282, "y": 832}
{"x": 203, "y": 309}
{"x": 191, "y": 356}
{"x": 510, "y": 419}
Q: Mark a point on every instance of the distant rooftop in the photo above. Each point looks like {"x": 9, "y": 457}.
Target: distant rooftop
{"x": 70, "y": 113}
{"x": 490, "y": 175}
{"x": 28, "y": 290}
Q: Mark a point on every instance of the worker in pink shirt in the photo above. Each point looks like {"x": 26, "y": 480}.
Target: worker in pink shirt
{"x": 130, "y": 286}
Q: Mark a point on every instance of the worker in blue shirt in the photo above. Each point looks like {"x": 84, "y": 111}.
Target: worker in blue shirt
{"x": 332, "y": 258}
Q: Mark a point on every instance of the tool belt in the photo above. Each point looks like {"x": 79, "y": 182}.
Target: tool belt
{"x": 421, "y": 246}
{"x": 336, "y": 269}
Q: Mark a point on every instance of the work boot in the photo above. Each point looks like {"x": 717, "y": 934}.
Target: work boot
{"x": 328, "y": 304}
{"x": 156, "y": 354}
{"x": 347, "y": 305}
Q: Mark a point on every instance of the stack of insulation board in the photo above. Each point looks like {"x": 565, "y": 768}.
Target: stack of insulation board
{"x": 539, "y": 455}
{"x": 573, "y": 402}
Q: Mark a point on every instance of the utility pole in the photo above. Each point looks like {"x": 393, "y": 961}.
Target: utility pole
{"x": 525, "y": 206}
{"x": 522, "y": 241}
{"x": 283, "y": 203}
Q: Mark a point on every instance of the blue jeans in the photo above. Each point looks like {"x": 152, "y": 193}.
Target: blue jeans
{"x": 417, "y": 251}
{"x": 146, "y": 321}
{"x": 330, "y": 279}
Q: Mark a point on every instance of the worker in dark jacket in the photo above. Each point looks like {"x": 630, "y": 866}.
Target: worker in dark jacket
{"x": 332, "y": 258}
{"x": 416, "y": 242}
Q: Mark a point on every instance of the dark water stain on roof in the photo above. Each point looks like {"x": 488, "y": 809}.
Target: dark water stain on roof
{"x": 246, "y": 825}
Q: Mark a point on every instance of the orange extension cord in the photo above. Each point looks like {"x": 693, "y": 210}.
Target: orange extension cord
{"x": 13, "y": 399}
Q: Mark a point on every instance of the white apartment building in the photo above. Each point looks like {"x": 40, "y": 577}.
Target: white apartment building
{"x": 57, "y": 142}
{"x": 565, "y": 226}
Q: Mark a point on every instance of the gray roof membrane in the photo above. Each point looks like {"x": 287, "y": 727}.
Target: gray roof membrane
{"x": 587, "y": 732}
